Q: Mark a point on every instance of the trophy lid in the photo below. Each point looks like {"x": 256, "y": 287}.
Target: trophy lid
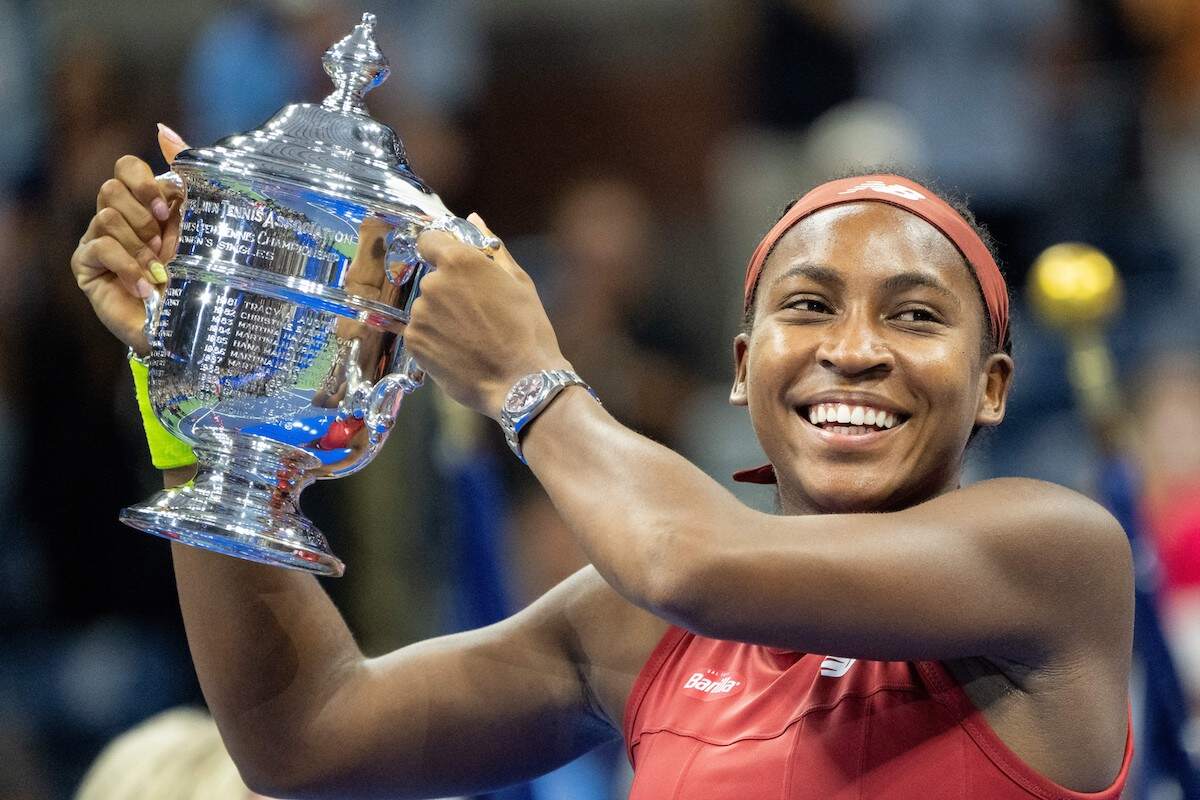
{"x": 334, "y": 148}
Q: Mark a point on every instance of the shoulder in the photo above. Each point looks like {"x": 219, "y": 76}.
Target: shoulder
{"x": 1070, "y": 545}
{"x": 1048, "y": 513}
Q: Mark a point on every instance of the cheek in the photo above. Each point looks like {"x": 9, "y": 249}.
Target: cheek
{"x": 952, "y": 383}
{"x": 764, "y": 359}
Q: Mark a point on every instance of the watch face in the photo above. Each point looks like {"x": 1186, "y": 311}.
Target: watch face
{"x": 524, "y": 393}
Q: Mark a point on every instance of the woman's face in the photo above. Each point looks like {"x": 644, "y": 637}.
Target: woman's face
{"x": 869, "y": 307}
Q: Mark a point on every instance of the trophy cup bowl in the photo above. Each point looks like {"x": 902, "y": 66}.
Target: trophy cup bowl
{"x": 277, "y": 346}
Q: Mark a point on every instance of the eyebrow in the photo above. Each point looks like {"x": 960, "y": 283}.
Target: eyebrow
{"x": 893, "y": 284}
{"x": 819, "y": 273}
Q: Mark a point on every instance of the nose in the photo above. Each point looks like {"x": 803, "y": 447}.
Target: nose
{"x": 855, "y": 347}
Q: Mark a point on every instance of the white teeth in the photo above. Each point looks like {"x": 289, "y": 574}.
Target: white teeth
{"x": 845, "y": 414}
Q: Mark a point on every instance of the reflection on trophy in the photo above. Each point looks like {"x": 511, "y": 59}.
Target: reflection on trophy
{"x": 277, "y": 345}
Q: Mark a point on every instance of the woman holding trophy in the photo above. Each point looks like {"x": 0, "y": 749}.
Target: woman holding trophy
{"x": 889, "y": 634}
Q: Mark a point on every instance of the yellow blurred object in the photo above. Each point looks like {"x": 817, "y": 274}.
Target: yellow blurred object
{"x": 1074, "y": 285}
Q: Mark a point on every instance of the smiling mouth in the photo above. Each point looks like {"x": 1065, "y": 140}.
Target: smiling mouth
{"x": 851, "y": 420}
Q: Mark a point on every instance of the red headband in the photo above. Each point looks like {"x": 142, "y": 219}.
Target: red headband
{"x": 913, "y": 198}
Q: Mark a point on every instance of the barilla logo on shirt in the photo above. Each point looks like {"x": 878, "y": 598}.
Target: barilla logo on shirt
{"x": 711, "y": 684}
{"x": 886, "y": 188}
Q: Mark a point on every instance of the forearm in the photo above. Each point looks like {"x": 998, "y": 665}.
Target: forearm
{"x": 269, "y": 648}
{"x": 304, "y": 714}
{"x": 640, "y": 511}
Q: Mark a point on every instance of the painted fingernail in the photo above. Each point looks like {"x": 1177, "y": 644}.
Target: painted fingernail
{"x": 171, "y": 135}
{"x": 158, "y": 271}
{"x": 144, "y": 288}
{"x": 155, "y": 243}
{"x": 160, "y": 209}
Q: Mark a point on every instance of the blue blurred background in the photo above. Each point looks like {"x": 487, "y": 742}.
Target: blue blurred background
{"x": 631, "y": 153}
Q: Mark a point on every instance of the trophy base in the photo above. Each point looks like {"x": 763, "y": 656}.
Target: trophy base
{"x": 247, "y": 507}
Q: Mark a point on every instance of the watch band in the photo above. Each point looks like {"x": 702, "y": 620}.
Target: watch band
{"x": 529, "y": 397}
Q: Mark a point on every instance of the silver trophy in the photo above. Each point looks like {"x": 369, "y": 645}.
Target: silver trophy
{"x": 277, "y": 347}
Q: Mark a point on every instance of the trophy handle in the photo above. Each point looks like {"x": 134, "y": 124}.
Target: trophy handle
{"x": 154, "y": 300}
{"x": 171, "y": 177}
{"x": 387, "y": 394}
{"x": 154, "y": 305}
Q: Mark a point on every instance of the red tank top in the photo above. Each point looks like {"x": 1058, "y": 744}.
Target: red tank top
{"x": 718, "y": 720}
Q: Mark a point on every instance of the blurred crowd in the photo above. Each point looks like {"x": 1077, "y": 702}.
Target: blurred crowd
{"x": 631, "y": 153}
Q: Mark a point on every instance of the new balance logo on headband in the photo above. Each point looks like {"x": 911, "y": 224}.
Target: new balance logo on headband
{"x": 886, "y": 188}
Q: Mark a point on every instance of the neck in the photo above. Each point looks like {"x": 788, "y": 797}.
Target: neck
{"x": 794, "y": 501}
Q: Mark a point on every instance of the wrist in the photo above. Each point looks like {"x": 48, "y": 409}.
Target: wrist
{"x": 167, "y": 452}
{"x": 178, "y": 476}
{"x": 565, "y": 414}
{"x": 497, "y": 395}
{"x": 529, "y": 396}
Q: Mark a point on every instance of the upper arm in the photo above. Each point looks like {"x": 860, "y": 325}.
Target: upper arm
{"x": 1011, "y": 568}
{"x": 458, "y": 714}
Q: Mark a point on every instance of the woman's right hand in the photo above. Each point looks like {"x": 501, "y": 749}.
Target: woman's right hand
{"x": 134, "y": 232}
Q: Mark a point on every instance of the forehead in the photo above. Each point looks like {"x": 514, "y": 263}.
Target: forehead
{"x": 871, "y": 239}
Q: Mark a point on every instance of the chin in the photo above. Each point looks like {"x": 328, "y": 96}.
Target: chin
{"x": 836, "y": 492}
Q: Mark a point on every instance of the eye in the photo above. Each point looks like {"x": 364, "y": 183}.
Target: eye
{"x": 810, "y": 304}
{"x": 917, "y": 315}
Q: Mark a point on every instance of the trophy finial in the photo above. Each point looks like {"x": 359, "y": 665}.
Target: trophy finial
{"x": 356, "y": 67}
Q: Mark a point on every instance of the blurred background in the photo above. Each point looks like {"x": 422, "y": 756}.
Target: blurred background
{"x": 631, "y": 153}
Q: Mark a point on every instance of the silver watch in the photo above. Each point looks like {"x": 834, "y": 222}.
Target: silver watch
{"x": 528, "y": 397}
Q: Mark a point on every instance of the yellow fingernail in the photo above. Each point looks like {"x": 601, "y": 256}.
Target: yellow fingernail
{"x": 158, "y": 271}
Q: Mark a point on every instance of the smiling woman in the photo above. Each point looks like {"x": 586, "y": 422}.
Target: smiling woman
{"x": 979, "y": 637}
{"x": 901, "y": 268}
{"x": 890, "y": 634}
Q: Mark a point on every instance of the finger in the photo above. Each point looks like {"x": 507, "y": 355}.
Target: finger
{"x": 170, "y": 143}
{"x": 115, "y": 195}
{"x": 441, "y": 249}
{"x": 139, "y": 178}
{"x": 478, "y": 222}
{"x": 109, "y": 222}
{"x": 501, "y": 256}
{"x": 103, "y": 255}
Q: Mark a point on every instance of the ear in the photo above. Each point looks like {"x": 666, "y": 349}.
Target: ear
{"x": 993, "y": 393}
{"x": 741, "y": 346}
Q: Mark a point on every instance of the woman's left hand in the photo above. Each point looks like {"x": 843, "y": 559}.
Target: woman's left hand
{"x": 478, "y": 325}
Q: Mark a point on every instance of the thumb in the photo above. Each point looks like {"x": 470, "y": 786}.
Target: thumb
{"x": 170, "y": 143}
